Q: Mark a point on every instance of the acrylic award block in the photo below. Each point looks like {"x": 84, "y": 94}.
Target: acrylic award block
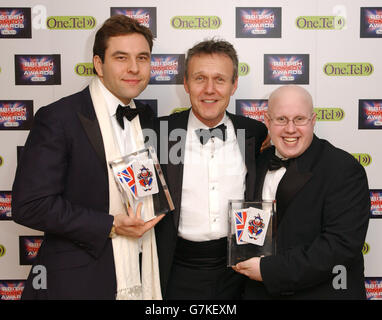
{"x": 252, "y": 230}
{"x": 138, "y": 176}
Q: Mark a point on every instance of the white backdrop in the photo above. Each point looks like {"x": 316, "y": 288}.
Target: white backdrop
{"x": 343, "y": 44}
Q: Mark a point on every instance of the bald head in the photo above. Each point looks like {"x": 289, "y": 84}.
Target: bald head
{"x": 290, "y": 91}
{"x": 290, "y": 120}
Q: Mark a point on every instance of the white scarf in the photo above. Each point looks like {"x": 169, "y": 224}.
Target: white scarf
{"x": 126, "y": 249}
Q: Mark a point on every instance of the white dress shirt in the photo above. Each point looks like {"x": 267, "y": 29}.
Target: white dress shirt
{"x": 272, "y": 180}
{"x": 213, "y": 174}
{"x": 124, "y": 137}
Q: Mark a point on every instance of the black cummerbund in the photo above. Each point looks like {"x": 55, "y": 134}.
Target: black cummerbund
{"x": 201, "y": 255}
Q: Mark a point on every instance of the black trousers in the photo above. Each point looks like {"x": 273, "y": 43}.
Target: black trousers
{"x": 200, "y": 272}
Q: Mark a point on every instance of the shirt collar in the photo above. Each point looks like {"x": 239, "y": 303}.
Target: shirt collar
{"x": 111, "y": 100}
{"x": 194, "y": 123}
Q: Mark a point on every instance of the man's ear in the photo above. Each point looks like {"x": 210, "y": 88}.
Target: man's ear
{"x": 97, "y": 63}
{"x": 185, "y": 85}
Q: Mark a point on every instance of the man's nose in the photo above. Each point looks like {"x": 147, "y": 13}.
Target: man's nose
{"x": 132, "y": 66}
{"x": 290, "y": 126}
{"x": 210, "y": 86}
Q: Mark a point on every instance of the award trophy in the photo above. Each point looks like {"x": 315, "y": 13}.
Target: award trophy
{"x": 252, "y": 230}
{"x": 138, "y": 175}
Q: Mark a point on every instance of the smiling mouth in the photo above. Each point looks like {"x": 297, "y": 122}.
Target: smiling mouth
{"x": 209, "y": 101}
{"x": 131, "y": 81}
{"x": 290, "y": 140}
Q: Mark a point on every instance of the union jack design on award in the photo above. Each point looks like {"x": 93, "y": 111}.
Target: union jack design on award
{"x": 240, "y": 218}
{"x": 128, "y": 178}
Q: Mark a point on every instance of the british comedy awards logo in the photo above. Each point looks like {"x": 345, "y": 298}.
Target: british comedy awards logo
{"x": 373, "y": 288}
{"x": 252, "y": 108}
{"x": 369, "y": 114}
{"x": 5, "y": 205}
{"x": 145, "y": 16}
{"x": 16, "y": 115}
{"x": 376, "y": 203}
{"x": 167, "y": 69}
{"x": 11, "y": 289}
{"x": 37, "y": 69}
{"x": 371, "y": 22}
{"x": 15, "y": 23}
{"x": 286, "y": 69}
{"x": 29, "y": 246}
{"x": 258, "y": 22}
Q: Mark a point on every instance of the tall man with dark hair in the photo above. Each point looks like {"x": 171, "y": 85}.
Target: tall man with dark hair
{"x": 322, "y": 209}
{"x": 64, "y": 187}
{"x": 216, "y": 158}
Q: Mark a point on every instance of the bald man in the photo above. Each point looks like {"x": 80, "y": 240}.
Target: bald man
{"x": 323, "y": 207}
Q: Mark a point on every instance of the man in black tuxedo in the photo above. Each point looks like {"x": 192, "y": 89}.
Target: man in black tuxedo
{"x": 208, "y": 155}
{"x": 64, "y": 187}
{"x": 322, "y": 209}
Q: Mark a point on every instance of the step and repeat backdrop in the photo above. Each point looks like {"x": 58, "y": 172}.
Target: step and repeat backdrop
{"x": 331, "y": 48}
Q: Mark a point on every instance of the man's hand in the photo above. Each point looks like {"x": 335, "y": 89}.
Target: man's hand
{"x": 250, "y": 268}
{"x": 132, "y": 225}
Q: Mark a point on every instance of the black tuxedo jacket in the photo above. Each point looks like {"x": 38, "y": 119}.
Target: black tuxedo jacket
{"x": 166, "y": 231}
{"x": 323, "y": 209}
{"x": 61, "y": 188}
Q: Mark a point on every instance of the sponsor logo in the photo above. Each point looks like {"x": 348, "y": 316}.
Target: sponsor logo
{"x": 369, "y": 114}
{"x": 363, "y": 158}
{"x": 329, "y": 114}
{"x": 11, "y": 289}
{"x": 373, "y": 288}
{"x": 258, "y": 22}
{"x": 254, "y": 108}
{"x": 2, "y": 250}
{"x": 180, "y": 109}
{"x": 146, "y": 16}
{"x": 84, "y": 69}
{"x": 365, "y": 248}
{"x": 167, "y": 69}
{"x": 376, "y": 203}
{"x": 29, "y": 246}
{"x": 320, "y": 22}
{"x": 37, "y": 69}
{"x": 15, "y": 23}
{"x": 371, "y": 22}
{"x": 286, "y": 69}
{"x": 5, "y": 205}
{"x": 196, "y": 22}
{"x": 243, "y": 69}
{"x": 16, "y": 115}
{"x": 71, "y": 22}
{"x": 348, "y": 69}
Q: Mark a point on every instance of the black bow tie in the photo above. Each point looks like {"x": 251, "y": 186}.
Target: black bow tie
{"x": 276, "y": 163}
{"x": 127, "y": 112}
{"x": 206, "y": 134}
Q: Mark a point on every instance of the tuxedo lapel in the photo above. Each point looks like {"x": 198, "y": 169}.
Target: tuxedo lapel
{"x": 290, "y": 184}
{"x": 261, "y": 171}
{"x": 299, "y": 172}
{"x": 175, "y": 169}
{"x": 248, "y": 153}
{"x": 146, "y": 119}
{"x": 90, "y": 125}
